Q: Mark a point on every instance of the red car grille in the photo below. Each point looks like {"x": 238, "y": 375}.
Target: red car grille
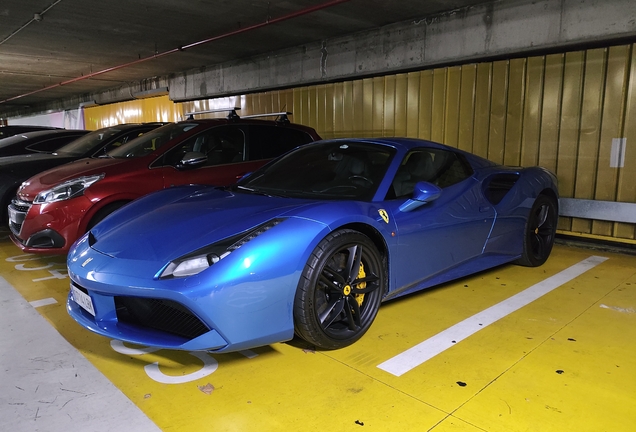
{"x": 17, "y": 212}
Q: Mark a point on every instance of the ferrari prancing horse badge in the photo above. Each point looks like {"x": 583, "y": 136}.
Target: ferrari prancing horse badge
{"x": 384, "y": 215}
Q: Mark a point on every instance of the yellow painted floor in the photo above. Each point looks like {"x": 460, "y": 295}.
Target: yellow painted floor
{"x": 564, "y": 362}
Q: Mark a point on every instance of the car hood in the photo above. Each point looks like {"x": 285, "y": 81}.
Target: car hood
{"x": 54, "y": 176}
{"x": 145, "y": 231}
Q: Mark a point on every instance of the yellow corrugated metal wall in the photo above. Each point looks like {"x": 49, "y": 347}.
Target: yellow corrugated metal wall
{"x": 157, "y": 109}
{"x": 560, "y": 111}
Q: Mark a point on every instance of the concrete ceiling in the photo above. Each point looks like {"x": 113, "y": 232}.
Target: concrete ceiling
{"x": 45, "y": 43}
{"x": 56, "y": 54}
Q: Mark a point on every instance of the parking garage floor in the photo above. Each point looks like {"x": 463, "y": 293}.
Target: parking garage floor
{"x": 510, "y": 349}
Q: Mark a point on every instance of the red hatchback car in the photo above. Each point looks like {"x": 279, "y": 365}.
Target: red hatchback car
{"x": 54, "y": 208}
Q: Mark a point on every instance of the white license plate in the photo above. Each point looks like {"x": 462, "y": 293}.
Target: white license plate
{"x": 12, "y": 215}
{"x": 83, "y": 300}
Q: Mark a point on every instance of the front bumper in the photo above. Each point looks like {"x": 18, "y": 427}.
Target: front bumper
{"x": 46, "y": 228}
{"x": 144, "y": 325}
{"x": 238, "y": 310}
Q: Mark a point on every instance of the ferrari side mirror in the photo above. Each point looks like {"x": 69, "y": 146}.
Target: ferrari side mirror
{"x": 423, "y": 192}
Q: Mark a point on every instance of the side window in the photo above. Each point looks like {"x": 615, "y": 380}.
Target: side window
{"x": 450, "y": 168}
{"x": 123, "y": 140}
{"x": 440, "y": 167}
{"x": 222, "y": 145}
{"x": 52, "y": 144}
{"x": 267, "y": 142}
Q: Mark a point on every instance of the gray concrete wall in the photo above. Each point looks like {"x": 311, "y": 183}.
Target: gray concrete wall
{"x": 503, "y": 28}
{"x": 494, "y": 29}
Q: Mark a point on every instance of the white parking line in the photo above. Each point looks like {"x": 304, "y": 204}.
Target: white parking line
{"x": 415, "y": 356}
{"x": 43, "y": 302}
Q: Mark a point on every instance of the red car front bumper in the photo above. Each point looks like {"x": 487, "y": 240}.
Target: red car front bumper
{"x": 47, "y": 228}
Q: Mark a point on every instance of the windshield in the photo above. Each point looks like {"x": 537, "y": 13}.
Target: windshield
{"x": 151, "y": 141}
{"x": 8, "y": 142}
{"x": 89, "y": 143}
{"x": 340, "y": 170}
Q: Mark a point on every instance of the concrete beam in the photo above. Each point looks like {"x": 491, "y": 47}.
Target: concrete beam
{"x": 494, "y": 29}
{"x": 148, "y": 87}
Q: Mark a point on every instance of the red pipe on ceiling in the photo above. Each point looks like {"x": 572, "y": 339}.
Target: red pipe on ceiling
{"x": 185, "y": 47}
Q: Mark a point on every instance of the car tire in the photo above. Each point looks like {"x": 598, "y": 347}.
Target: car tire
{"x": 339, "y": 291}
{"x": 539, "y": 232}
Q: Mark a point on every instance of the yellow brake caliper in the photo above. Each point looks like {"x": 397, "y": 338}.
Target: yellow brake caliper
{"x": 362, "y": 285}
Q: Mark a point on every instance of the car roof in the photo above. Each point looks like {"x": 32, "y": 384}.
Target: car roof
{"x": 280, "y": 119}
{"x": 26, "y": 128}
{"x": 397, "y": 142}
{"x": 126, "y": 126}
{"x": 407, "y": 144}
{"x": 50, "y": 132}
{"x": 30, "y": 127}
{"x": 26, "y": 138}
{"x": 242, "y": 120}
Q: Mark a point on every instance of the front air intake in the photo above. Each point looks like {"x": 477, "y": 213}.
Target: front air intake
{"x": 159, "y": 314}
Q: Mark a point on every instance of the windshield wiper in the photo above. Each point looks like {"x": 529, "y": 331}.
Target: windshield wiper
{"x": 259, "y": 192}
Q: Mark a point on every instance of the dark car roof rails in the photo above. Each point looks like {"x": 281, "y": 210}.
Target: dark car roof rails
{"x": 231, "y": 116}
{"x": 281, "y": 116}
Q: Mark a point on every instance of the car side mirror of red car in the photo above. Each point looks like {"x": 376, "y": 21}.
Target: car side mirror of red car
{"x": 192, "y": 160}
{"x": 423, "y": 192}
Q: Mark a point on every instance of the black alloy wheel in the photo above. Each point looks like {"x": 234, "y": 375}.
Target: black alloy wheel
{"x": 339, "y": 291}
{"x": 539, "y": 232}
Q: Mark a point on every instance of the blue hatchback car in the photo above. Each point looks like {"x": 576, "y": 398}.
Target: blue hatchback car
{"x": 310, "y": 244}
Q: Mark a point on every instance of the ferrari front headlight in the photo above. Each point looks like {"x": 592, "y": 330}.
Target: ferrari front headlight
{"x": 67, "y": 190}
{"x": 190, "y": 266}
{"x": 203, "y": 258}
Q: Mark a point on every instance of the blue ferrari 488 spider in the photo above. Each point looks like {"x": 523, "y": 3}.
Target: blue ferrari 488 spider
{"x": 310, "y": 244}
